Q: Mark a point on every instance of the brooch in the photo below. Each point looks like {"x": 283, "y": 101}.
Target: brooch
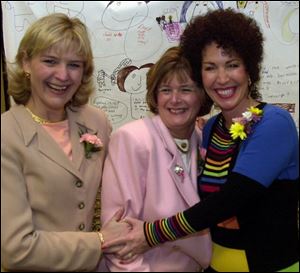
{"x": 179, "y": 171}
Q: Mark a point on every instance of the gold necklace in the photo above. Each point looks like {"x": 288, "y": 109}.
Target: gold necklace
{"x": 37, "y": 118}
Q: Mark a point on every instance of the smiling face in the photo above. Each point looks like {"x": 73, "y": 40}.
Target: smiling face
{"x": 178, "y": 103}
{"x": 225, "y": 80}
{"x": 55, "y": 76}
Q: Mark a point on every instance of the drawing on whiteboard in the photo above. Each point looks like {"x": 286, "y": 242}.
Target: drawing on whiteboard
{"x": 132, "y": 34}
{"x": 23, "y": 17}
{"x": 71, "y": 8}
{"x": 116, "y": 110}
{"x": 132, "y": 79}
{"x": 131, "y": 31}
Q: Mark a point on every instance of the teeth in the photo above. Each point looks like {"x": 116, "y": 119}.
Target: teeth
{"x": 225, "y": 93}
{"x": 177, "y": 111}
{"x": 57, "y": 87}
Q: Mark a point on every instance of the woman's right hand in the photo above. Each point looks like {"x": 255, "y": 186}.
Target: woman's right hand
{"x": 133, "y": 242}
{"x": 114, "y": 229}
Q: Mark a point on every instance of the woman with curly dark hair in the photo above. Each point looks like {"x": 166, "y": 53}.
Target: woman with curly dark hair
{"x": 249, "y": 190}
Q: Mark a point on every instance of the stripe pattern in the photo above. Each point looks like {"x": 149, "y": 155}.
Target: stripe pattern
{"x": 168, "y": 229}
{"x": 219, "y": 159}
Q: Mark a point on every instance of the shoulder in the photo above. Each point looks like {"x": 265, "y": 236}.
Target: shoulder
{"x": 92, "y": 112}
{"x": 134, "y": 129}
{"x": 8, "y": 124}
{"x": 271, "y": 109}
{"x": 278, "y": 117}
{"x": 13, "y": 119}
{"x": 90, "y": 116}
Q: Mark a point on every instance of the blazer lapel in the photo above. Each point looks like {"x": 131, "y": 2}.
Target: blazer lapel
{"x": 45, "y": 143}
{"x": 76, "y": 124}
{"x": 50, "y": 148}
{"x": 183, "y": 182}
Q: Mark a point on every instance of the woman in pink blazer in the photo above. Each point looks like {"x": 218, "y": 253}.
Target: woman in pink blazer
{"x": 151, "y": 168}
{"x": 52, "y": 151}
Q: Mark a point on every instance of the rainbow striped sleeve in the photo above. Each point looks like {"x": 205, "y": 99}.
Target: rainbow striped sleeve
{"x": 167, "y": 229}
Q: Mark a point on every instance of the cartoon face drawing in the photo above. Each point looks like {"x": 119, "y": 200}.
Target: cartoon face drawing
{"x": 132, "y": 79}
{"x": 121, "y": 15}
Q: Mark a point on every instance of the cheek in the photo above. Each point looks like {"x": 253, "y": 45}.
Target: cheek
{"x": 77, "y": 77}
{"x": 195, "y": 103}
{"x": 207, "y": 79}
{"x": 160, "y": 100}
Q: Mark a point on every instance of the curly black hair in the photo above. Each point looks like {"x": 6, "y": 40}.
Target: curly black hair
{"x": 232, "y": 31}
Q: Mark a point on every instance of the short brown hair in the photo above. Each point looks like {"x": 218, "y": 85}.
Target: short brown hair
{"x": 171, "y": 62}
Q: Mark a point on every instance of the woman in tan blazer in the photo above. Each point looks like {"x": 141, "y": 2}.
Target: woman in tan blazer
{"x": 52, "y": 150}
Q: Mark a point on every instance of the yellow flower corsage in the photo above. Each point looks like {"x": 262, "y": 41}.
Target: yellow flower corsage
{"x": 242, "y": 126}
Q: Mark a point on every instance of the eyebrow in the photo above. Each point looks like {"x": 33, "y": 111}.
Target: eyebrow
{"x": 229, "y": 61}
{"x": 57, "y": 57}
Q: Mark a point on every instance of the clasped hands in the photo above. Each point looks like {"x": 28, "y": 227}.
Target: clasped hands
{"x": 124, "y": 238}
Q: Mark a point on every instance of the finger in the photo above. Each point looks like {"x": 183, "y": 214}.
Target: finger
{"x": 112, "y": 249}
{"x": 113, "y": 242}
{"x": 129, "y": 260}
{"x": 130, "y": 221}
{"x": 124, "y": 252}
{"x": 118, "y": 214}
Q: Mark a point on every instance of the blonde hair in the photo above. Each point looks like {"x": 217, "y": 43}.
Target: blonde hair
{"x": 43, "y": 34}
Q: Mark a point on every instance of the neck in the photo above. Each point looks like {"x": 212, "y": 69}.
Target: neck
{"x": 46, "y": 118}
{"x": 182, "y": 133}
{"x": 237, "y": 111}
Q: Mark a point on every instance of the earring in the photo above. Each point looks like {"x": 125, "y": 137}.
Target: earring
{"x": 27, "y": 75}
{"x": 249, "y": 82}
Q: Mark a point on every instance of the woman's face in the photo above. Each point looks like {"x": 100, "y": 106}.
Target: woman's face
{"x": 178, "y": 105}
{"x": 225, "y": 78}
{"x": 55, "y": 76}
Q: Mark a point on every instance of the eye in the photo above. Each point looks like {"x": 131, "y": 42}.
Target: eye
{"x": 49, "y": 61}
{"x": 75, "y": 65}
{"x": 233, "y": 65}
{"x": 187, "y": 89}
{"x": 165, "y": 90}
{"x": 208, "y": 68}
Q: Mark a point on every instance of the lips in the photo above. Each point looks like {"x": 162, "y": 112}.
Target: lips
{"x": 225, "y": 93}
{"x": 177, "y": 111}
{"x": 57, "y": 88}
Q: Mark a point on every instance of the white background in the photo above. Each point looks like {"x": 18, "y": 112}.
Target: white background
{"x": 128, "y": 34}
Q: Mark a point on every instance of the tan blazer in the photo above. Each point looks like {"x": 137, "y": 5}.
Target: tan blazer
{"x": 47, "y": 201}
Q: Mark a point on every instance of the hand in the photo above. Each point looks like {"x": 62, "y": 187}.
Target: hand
{"x": 133, "y": 242}
{"x": 115, "y": 228}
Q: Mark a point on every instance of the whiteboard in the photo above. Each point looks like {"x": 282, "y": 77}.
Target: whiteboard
{"x": 135, "y": 34}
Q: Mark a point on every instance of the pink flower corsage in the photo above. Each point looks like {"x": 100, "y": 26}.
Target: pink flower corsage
{"x": 91, "y": 143}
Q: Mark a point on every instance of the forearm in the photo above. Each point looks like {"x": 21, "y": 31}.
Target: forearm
{"x": 52, "y": 251}
{"x": 216, "y": 208}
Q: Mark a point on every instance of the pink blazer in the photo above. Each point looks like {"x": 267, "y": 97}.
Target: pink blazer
{"x": 139, "y": 175}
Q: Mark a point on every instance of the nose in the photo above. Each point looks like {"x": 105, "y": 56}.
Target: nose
{"x": 62, "y": 72}
{"x": 175, "y": 96}
{"x": 222, "y": 77}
